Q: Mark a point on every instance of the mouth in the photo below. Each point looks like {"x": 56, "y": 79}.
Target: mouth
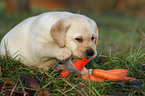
{"x": 76, "y": 58}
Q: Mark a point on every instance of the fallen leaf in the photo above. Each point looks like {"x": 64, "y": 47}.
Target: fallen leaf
{"x": 31, "y": 81}
{"x": 43, "y": 93}
{"x": 15, "y": 93}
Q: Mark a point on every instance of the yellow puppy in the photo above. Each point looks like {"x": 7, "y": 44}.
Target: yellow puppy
{"x": 43, "y": 40}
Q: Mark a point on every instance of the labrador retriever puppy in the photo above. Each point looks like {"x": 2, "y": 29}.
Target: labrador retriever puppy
{"x": 43, "y": 40}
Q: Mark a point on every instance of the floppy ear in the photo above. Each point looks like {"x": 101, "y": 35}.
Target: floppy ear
{"x": 97, "y": 33}
{"x": 58, "y": 32}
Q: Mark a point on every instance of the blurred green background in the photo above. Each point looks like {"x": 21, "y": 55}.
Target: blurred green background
{"x": 120, "y": 22}
{"x": 121, "y": 44}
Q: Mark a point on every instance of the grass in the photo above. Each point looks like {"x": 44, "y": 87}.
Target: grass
{"x": 121, "y": 45}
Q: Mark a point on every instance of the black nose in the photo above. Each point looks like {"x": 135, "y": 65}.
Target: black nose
{"x": 90, "y": 52}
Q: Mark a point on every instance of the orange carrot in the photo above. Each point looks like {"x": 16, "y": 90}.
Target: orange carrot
{"x": 92, "y": 78}
{"x": 119, "y": 71}
{"x": 110, "y": 76}
{"x": 65, "y": 73}
{"x": 79, "y": 65}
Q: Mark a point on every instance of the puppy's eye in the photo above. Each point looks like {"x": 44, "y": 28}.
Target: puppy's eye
{"x": 79, "y": 39}
{"x": 92, "y": 38}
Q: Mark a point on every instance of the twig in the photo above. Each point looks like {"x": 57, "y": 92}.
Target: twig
{"x": 109, "y": 57}
{"x": 25, "y": 93}
{"x": 73, "y": 87}
{"x": 14, "y": 88}
{"x": 60, "y": 92}
{"x": 47, "y": 84}
{"x": 142, "y": 72}
{"x": 69, "y": 89}
{"x": 114, "y": 58}
{"x": 0, "y": 72}
{"x": 96, "y": 91}
{"x": 2, "y": 89}
{"x": 84, "y": 92}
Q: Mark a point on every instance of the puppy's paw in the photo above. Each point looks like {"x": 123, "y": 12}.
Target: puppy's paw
{"x": 60, "y": 67}
{"x": 63, "y": 54}
{"x": 86, "y": 71}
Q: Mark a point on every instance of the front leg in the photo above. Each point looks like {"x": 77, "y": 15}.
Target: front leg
{"x": 51, "y": 50}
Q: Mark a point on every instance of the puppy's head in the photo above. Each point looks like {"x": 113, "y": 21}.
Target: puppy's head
{"x": 79, "y": 34}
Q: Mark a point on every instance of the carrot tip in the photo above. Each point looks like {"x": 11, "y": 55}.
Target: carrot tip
{"x": 64, "y": 73}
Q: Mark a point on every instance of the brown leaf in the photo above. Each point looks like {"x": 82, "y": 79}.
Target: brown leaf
{"x": 43, "y": 93}
{"x": 31, "y": 81}
{"x": 15, "y": 93}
